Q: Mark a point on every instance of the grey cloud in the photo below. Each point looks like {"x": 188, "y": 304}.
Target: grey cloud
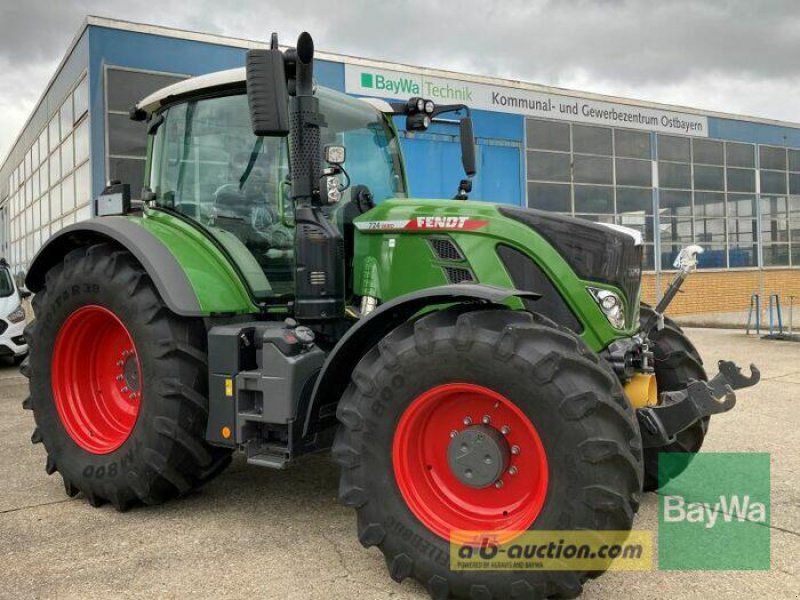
{"x": 721, "y": 55}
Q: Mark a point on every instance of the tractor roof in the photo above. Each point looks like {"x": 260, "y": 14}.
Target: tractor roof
{"x": 232, "y": 78}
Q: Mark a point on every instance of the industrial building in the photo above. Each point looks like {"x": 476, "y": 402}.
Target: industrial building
{"x": 679, "y": 175}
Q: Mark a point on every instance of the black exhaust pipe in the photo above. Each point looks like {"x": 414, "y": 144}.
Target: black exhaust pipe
{"x": 319, "y": 246}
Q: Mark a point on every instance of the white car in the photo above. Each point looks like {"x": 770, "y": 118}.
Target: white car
{"x": 12, "y": 316}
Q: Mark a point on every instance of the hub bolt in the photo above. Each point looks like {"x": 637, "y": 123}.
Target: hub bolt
{"x": 512, "y": 470}
{"x": 505, "y": 429}
{"x": 515, "y": 450}
{"x": 125, "y": 389}
{"x": 467, "y": 421}
{"x": 486, "y": 419}
{"x": 498, "y": 484}
{"x": 119, "y": 378}
{"x": 120, "y": 363}
{"x": 453, "y": 433}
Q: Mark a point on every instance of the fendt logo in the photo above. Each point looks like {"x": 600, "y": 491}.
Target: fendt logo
{"x": 423, "y": 224}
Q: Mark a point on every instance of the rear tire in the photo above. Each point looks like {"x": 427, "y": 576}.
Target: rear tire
{"x": 676, "y": 362}
{"x": 584, "y": 422}
{"x": 144, "y": 441}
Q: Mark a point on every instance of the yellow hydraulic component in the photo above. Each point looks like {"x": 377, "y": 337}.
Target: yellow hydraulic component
{"x": 642, "y": 390}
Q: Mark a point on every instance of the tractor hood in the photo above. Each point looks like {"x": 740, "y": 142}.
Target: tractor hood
{"x": 405, "y": 245}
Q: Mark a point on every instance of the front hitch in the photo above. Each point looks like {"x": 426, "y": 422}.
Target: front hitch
{"x": 678, "y": 410}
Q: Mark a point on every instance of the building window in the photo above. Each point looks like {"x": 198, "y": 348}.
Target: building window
{"x": 126, "y": 147}
{"x": 708, "y": 191}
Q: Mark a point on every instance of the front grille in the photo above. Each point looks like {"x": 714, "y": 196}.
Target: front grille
{"x": 593, "y": 251}
{"x": 458, "y": 275}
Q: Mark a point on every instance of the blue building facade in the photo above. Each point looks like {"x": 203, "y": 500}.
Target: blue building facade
{"x": 678, "y": 175}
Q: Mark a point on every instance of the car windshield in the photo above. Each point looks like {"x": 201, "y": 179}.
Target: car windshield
{"x": 207, "y": 164}
{"x": 6, "y": 283}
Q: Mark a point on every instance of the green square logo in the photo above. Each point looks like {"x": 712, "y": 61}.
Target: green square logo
{"x": 366, "y": 80}
{"x": 715, "y": 515}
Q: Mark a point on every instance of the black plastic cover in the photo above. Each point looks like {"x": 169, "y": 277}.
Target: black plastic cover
{"x": 593, "y": 251}
{"x": 527, "y": 275}
{"x": 267, "y": 94}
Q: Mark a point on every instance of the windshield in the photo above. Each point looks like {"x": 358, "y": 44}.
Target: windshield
{"x": 207, "y": 164}
{"x": 6, "y": 284}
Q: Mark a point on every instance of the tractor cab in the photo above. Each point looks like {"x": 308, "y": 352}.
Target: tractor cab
{"x": 207, "y": 165}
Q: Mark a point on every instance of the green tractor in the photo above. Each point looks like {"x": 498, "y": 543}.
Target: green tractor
{"x": 473, "y": 367}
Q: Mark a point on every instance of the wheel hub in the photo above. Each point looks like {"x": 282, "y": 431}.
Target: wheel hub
{"x": 467, "y": 458}
{"x": 96, "y": 379}
{"x": 130, "y": 373}
{"x": 478, "y": 456}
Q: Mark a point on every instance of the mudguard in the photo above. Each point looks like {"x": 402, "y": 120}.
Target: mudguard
{"x": 335, "y": 374}
{"x": 191, "y": 275}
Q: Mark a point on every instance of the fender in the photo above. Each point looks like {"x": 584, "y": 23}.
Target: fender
{"x": 335, "y": 374}
{"x": 193, "y": 278}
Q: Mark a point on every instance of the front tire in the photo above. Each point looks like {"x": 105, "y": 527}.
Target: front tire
{"x": 517, "y": 369}
{"x": 118, "y": 383}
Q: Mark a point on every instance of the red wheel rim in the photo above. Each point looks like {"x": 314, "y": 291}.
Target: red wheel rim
{"x": 432, "y": 491}
{"x": 96, "y": 379}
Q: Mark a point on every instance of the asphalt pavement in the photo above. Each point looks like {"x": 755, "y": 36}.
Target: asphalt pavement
{"x": 257, "y": 533}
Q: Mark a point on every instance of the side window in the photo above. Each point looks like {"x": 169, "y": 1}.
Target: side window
{"x": 208, "y": 165}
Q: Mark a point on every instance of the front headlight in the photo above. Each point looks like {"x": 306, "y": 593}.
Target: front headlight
{"x": 16, "y": 315}
{"x": 611, "y": 305}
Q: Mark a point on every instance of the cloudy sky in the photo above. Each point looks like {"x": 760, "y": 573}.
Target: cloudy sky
{"x": 735, "y": 56}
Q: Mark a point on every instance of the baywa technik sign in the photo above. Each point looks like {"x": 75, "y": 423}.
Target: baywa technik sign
{"x": 396, "y": 84}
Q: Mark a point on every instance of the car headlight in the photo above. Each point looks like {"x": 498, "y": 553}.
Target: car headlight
{"x": 16, "y": 315}
{"x": 611, "y": 305}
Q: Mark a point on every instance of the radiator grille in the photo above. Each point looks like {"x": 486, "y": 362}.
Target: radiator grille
{"x": 445, "y": 249}
{"x": 458, "y": 275}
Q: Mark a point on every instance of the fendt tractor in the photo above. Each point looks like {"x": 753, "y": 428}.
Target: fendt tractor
{"x": 472, "y": 366}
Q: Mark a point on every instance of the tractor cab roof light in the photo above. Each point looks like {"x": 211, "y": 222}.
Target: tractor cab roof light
{"x": 418, "y": 122}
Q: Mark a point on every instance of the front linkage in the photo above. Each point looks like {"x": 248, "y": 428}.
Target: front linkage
{"x": 678, "y": 410}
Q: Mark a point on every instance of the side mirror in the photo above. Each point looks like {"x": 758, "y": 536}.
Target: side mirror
{"x": 267, "y": 93}
{"x": 468, "y": 147}
{"x": 24, "y": 293}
